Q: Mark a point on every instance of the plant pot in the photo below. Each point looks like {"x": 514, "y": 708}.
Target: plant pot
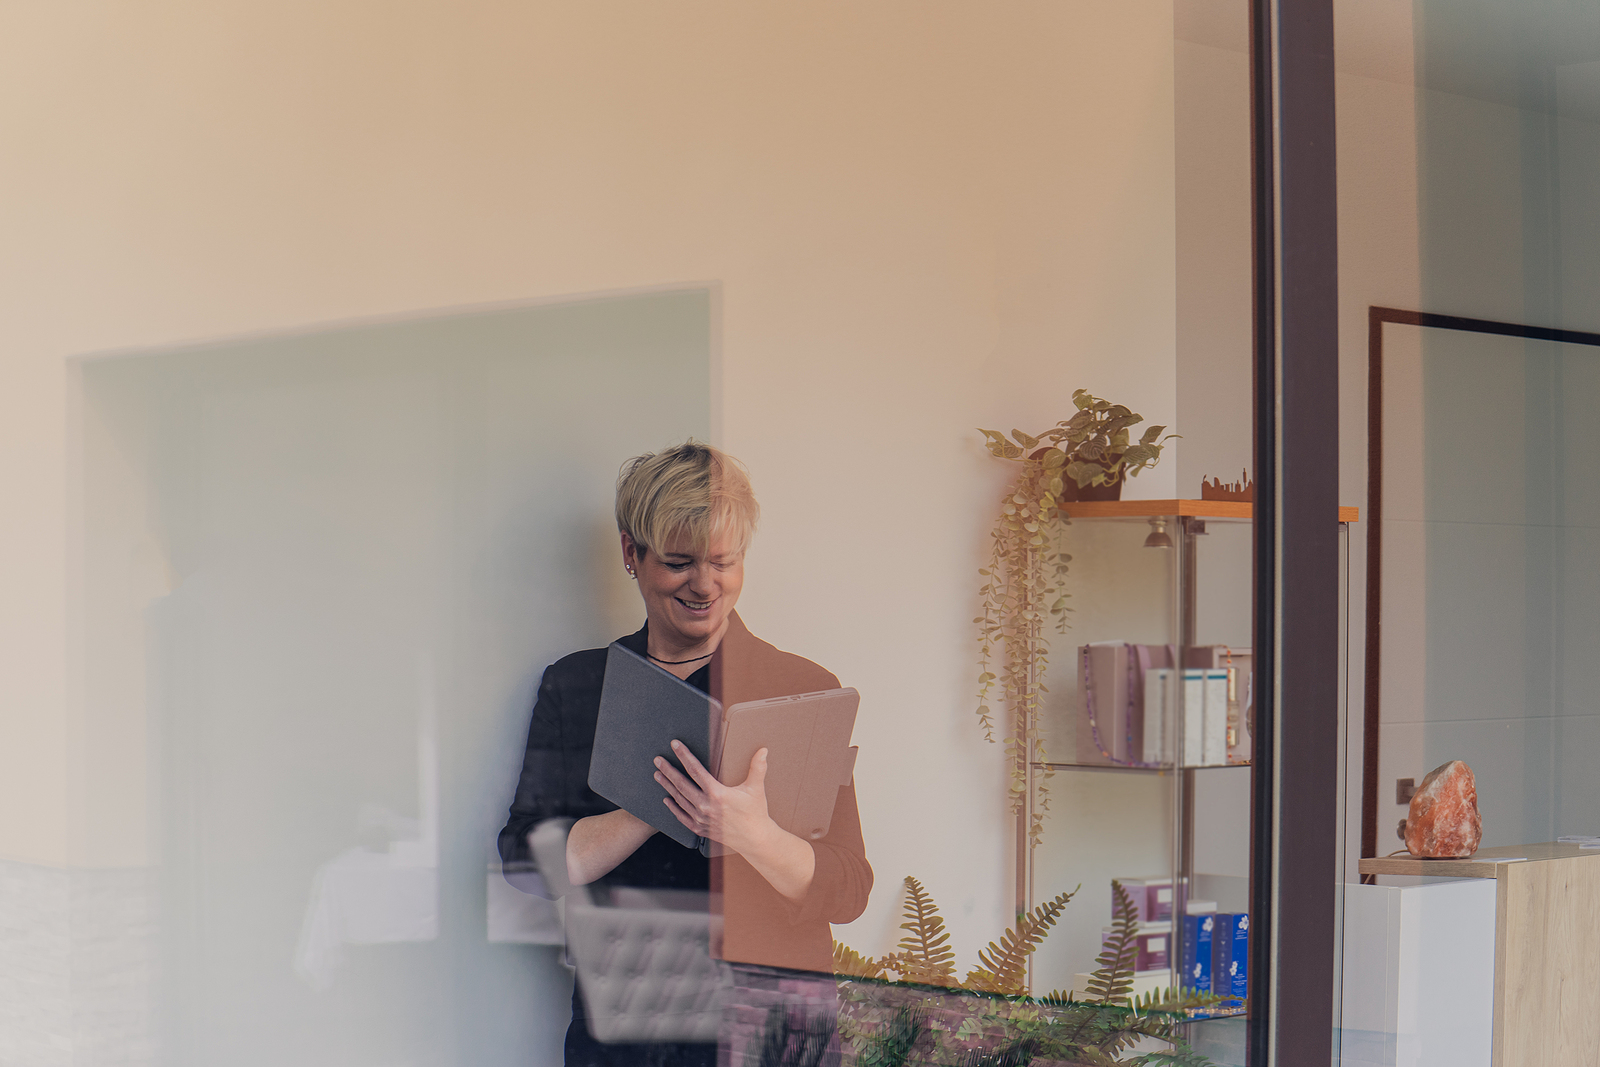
{"x": 1072, "y": 492}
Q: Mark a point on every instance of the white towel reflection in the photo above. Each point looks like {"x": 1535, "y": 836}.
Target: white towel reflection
{"x": 380, "y": 895}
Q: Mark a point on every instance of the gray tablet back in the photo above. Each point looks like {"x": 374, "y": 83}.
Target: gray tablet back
{"x": 643, "y": 709}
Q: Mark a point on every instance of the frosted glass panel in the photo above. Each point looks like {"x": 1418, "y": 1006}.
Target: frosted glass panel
{"x": 1502, "y": 559}
{"x": 323, "y": 575}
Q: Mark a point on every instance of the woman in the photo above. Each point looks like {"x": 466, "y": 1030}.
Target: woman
{"x": 685, "y": 517}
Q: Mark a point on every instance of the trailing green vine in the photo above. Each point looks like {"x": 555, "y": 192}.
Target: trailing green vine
{"x": 1024, "y": 583}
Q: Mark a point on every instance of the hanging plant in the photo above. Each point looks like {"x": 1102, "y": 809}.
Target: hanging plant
{"x": 1025, "y": 582}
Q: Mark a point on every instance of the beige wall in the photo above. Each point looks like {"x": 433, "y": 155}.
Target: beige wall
{"x": 925, "y": 217}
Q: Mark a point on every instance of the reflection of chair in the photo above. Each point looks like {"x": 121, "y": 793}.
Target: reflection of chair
{"x": 644, "y": 960}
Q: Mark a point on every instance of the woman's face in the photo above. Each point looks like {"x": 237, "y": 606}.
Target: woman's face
{"x": 688, "y": 594}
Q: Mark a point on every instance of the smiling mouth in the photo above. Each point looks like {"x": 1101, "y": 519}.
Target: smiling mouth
{"x": 694, "y": 605}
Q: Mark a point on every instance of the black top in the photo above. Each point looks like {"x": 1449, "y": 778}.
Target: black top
{"x": 555, "y": 773}
{"x": 760, "y": 926}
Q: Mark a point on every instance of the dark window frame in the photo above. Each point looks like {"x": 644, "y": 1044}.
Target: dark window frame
{"x": 1294, "y": 828}
{"x": 1371, "y": 690}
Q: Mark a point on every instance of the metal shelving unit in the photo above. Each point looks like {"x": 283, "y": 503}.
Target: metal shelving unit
{"x": 1186, "y": 523}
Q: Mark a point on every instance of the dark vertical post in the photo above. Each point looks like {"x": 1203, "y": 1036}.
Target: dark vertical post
{"x": 1188, "y": 637}
{"x": 1295, "y": 784}
{"x": 1264, "y": 351}
{"x": 1374, "y": 646}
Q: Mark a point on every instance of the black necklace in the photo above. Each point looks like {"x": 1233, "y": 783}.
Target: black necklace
{"x": 680, "y": 662}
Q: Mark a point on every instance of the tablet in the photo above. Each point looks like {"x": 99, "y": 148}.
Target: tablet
{"x": 809, "y": 758}
{"x": 642, "y": 710}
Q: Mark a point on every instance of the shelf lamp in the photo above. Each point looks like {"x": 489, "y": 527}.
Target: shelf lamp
{"x": 1158, "y": 533}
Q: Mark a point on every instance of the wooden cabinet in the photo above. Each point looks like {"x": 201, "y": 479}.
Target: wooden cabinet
{"x": 1546, "y": 948}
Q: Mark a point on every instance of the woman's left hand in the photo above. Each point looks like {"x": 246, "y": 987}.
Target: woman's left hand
{"x": 733, "y": 815}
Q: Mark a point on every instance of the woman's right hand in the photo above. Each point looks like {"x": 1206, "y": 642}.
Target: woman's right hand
{"x": 596, "y": 845}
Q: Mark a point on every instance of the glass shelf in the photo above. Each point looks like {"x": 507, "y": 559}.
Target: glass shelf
{"x": 1057, "y": 765}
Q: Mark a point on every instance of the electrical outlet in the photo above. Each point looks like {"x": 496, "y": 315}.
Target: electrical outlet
{"x": 1404, "y": 790}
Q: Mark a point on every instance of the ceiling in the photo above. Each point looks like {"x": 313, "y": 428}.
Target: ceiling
{"x": 1538, "y": 55}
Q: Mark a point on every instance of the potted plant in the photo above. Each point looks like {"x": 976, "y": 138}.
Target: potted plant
{"x": 1025, "y": 581}
{"x": 1091, "y": 452}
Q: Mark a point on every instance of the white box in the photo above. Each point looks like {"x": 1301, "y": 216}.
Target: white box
{"x": 1418, "y": 981}
{"x": 1205, "y": 717}
{"x": 1160, "y": 700}
{"x": 1194, "y": 717}
{"x": 1214, "y": 745}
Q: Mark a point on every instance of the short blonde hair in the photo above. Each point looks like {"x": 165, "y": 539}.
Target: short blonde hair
{"x": 691, "y": 489}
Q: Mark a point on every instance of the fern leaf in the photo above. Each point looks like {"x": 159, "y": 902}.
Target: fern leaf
{"x": 1112, "y": 980}
{"x": 925, "y": 955}
{"x": 1177, "y": 1001}
{"x": 1003, "y": 967}
{"x": 852, "y": 964}
{"x": 893, "y": 1045}
{"x": 1016, "y": 1054}
{"x": 1178, "y": 1056}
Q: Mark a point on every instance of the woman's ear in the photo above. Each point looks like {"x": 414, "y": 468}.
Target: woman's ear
{"x": 630, "y": 556}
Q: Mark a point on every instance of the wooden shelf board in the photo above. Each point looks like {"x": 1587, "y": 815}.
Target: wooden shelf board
{"x": 1484, "y": 863}
{"x": 1200, "y": 509}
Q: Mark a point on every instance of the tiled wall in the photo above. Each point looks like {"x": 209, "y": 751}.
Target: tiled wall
{"x": 75, "y": 967}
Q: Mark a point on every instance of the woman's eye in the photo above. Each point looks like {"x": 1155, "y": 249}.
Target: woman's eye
{"x": 678, "y": 566}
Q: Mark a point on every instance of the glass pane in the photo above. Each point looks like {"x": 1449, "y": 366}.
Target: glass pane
{"x": 301, "y": 584}
{"x": 352, "y": 550}
{"x": 1467, "y": 192}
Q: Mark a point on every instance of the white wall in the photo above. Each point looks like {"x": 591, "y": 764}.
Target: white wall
{"x": 1213, "y": 242}
{"x": 925, "y": 218}
{"x": 1378, "y": 261}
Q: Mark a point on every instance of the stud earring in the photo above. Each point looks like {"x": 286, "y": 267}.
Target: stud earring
{"x": 631, "y": 574}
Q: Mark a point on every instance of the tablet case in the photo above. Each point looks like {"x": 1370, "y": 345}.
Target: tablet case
{"x": 809, "y": 758}
{"x": 642, "y": 710}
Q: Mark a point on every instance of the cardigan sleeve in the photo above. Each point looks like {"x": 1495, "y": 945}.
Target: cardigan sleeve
{"x": 542, "y": 786}
{"x": 843, "y": 877}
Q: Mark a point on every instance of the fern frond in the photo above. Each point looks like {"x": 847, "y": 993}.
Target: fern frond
{"x": 1175, "y": 1000}
{"x": 1103, "y": 1033}
{"x": 1016, "y": 1054}
{"x": 852, "y": 964}
{"x": 925, "y": 955}
{"x": 893, "y": 1047}
{"x": 1003, "y": 968}
{"x": 1112, "y": 980}
{"x": 1177, "y": 1056}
